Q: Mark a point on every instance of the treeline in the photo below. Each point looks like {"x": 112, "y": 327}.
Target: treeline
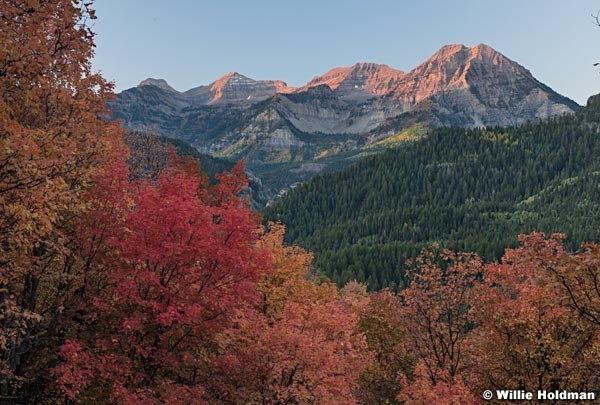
{"x": 469, "y": 190}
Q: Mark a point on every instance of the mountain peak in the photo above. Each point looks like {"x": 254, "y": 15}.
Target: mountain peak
{"x": 235, "y": 86}
{"x": 234, "y": 76}
{"x": 486, "y": 52}
{"x": 464, "y": 53}
{"x": 449, "y": 49}
{"x": 368, "y": 66}
{"x": 224, "y": 87}
{"x": 484, "y": 48}
{"x": 231, "y": 77}
{"x": 364, "y": 77}
{"x": 459, "y": 67}
{"x": 161, "y": 83}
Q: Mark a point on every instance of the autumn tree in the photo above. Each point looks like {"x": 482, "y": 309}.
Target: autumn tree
{"x": 148, "y": 156}
{"x": 579, "y": 275}
{"x": 382, "y": 322}
{"x": 182, "y": 264}
{"x": 301, "y": 345}
{"x": 287, "y": 281}
{"x": 529, "y": 337}
{"x": 53, "y": 139}
{"x": 439, "y": 312}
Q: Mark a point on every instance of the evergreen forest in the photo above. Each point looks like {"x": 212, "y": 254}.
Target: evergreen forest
{"x": 464, "y": 189}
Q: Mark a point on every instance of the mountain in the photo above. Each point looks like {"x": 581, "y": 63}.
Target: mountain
{"x": 361, "y": 78}
{"x": 476, "y": 87}
{"x": 160, "y": 83}
{"x": 234, "y": 87}
{"x": 343, "y": 113}
{"x": 465, "y": 189}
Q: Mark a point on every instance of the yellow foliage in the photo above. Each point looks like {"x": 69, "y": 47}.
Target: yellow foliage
{"x": 288, "y": 281}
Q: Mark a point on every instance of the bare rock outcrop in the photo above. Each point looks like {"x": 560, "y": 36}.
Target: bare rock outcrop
{"x": 266, "y": 121}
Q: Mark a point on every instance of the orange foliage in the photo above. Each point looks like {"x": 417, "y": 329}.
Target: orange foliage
{"x": 53, "y": 140}
{"x": 287, "y": 281}
{"x": 382, "y": 322}
{"x": 439, "y": 308}
{"x": 301, "y": 346}
{"x": 529, "y": 336}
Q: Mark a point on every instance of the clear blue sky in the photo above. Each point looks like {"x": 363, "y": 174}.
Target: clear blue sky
{"x": 191, "y": 43}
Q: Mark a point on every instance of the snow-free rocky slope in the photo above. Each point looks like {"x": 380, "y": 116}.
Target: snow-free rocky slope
{"x": 300, "y": 130}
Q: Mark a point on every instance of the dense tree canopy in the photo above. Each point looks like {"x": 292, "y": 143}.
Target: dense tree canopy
{"x": 469, "y": 190}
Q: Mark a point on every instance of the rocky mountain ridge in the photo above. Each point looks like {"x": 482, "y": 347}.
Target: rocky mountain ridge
{"x": 341, "y": 112}
{"x": 370, "y": 78}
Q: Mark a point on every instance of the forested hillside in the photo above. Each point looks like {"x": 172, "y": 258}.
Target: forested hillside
{"x": 150, "y": 154}
{"x": 469, "y": 190}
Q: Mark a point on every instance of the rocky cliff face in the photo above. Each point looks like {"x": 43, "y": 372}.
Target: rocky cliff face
{"x": 361, "y": 78}
{"x": 478, "y": 86}
{"x": 267, "y": 122}
{"x": 230, "y": 88}
{"x": 236, "y": 87}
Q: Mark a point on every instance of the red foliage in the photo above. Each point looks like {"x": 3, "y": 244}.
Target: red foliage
{"x": 179, "y": 268}
{"x": 308, "y": 354}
